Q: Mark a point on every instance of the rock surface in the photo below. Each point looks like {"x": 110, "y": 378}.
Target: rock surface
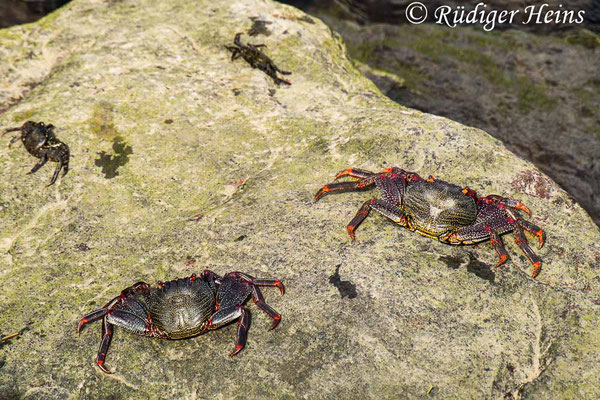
{"x": 162, "y": 127}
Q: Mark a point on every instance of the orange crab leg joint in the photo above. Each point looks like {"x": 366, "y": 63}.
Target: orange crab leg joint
{"x": 536, "y": 269}
{"x": 503, "y": 258}
{"x": 343, "y": 173}
{"x": 540, "y": 234}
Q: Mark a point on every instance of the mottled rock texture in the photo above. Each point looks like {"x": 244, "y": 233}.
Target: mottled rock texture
{"x": 163, "y": 127}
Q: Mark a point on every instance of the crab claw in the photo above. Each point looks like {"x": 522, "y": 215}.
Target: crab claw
{"x": 523, "y": 207}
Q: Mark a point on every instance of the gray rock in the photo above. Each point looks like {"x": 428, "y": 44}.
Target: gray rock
{"x": 162, "y": 126}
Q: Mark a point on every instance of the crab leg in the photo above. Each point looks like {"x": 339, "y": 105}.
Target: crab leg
{"x": 517, "y": 205}
{"x": 521, "y": 241}
{"x": 56, "y": 171}
{"x": 362, "y": 173}
{"x": 237, "y": 40}
{"x": 278, "y": 80}
{"x": 39, "y": 165}
{"x": 381, "y": 207}
{"x": 10, "y": 130}
{"x": 225, "y": 316}
{"x": 388, "y": 211}
{"x": 235, "y": 53}
{"x": 107, "y": 333}
{"x": 363, "y": 212}
{"x": 533, "y": 229}
{"x": 65, "y": 168}
{"x": 259, "y": 300}
{"x": 260, "y": 282}
{"x": 91, "y": 317}
{"x": 497, "y": 244}
{"x": 242, "y": 333}
{"x": 281, "y": 71}
{"x": 355, "y": 173}
{"x": 257, "y": 296}
{"x": 13, "y": 141}
{"x": 269, "y": 282}
{"x": 345, "y": 187}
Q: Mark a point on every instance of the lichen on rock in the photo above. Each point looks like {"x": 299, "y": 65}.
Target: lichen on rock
{"x": 423, "y": 317}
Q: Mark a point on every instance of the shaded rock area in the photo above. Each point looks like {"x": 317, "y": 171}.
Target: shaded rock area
{"x": 394, "y": 11}
{"x": 221, "y": 170}
{"x": 539, "y": 94}
{"x": 13, "y": 12}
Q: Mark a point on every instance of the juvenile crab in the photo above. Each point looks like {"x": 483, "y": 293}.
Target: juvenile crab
{"x": 39, "y": 140}
{"x": 440, "y": 210}
{"x": 256, "y": 58}
{"x": 183, "y": 308}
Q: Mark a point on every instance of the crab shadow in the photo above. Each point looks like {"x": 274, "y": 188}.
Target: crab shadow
{"x": 474, "y": 266}
{"x": 110, "y": 163}
{"x": 346, "y": 288}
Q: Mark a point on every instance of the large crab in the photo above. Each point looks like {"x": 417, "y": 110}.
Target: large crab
{"x": 39, "y": 140}
{"x": 256, "y": 58}
{"x": 440, "y": 210}
{"x": 183, "y": 308}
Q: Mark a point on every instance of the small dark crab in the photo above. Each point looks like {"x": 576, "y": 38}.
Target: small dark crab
{"x": 256, "y": 59}
{"x": 39, "y": 140}
{"x": 183, "y": 308}
{"x": 440, "y": 210}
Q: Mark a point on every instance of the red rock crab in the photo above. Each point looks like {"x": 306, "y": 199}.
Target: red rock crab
{"x": 183, "y": 308}
{"x": 440, "y": 210}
